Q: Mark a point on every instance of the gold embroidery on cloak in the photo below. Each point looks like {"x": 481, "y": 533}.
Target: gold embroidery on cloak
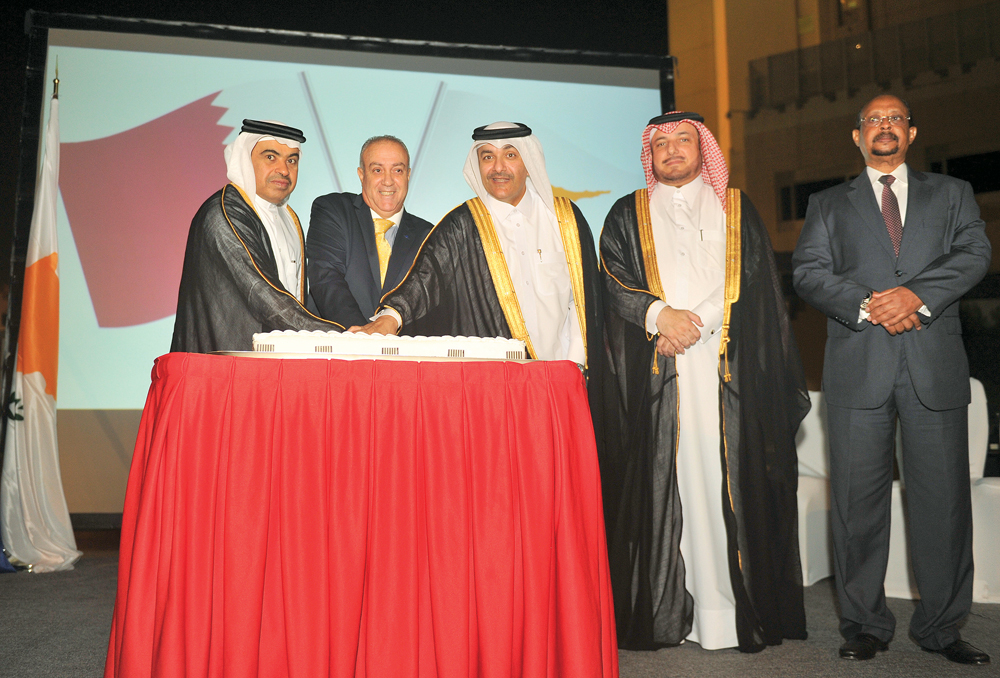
{"x": 732, "y": 294}
{"x": 640, "y": 207}
{"x": 733, "y": 266}
{"x": 570, "y": 233}
{"x": 499, "y": 272}
{"x": 645, "y": 224}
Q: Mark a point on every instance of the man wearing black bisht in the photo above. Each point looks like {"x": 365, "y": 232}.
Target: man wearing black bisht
{"x": 513, "y": 262}
{"x": 699, "y": 471}
{"x": 244, "y": 266}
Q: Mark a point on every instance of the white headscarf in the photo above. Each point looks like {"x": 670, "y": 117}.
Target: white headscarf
{"x": 239, "y": 166}
{"x": 531, "y": 153}
{"x": 278, "y": 222}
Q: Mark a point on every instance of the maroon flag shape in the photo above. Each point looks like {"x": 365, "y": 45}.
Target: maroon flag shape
{"x": 130, "y": 198}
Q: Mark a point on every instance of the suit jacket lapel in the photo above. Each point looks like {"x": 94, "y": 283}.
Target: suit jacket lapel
{"x": 862, "y": 197}
{"x": 367, "y": 227}
{"x": 918, "y": 200}
{"x": 403, "y": 248}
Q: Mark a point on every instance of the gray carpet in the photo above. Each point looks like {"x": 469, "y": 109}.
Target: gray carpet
{"x": 57, "y": 625}
{"x": 817, "y": 657}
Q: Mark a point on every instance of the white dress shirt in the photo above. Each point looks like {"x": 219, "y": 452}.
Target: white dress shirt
{"x": 285, "y": 243}
{"x": 532, "y": 246}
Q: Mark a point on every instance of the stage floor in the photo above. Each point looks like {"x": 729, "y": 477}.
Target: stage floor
{"x": 56, "y": 626}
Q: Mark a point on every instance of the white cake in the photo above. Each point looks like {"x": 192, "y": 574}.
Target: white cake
{"x": 377, "y": 345}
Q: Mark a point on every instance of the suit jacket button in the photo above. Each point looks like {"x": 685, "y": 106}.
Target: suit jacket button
{"x": 899, "y": 274}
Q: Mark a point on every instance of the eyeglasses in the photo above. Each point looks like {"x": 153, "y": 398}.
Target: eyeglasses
{"x": 876, "y": 120}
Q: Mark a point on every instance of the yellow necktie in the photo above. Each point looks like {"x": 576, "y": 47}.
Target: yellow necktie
{"x": 382, "y": 245}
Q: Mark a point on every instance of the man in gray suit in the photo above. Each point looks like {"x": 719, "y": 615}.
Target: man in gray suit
{"x": 361, "y": 246}
{"x": 886, "y": 257}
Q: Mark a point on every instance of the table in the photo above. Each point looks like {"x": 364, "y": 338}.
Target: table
{"x": 310, "y": 518}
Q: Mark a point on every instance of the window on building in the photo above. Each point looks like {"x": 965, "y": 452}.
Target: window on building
{"x": 982, "y": 170}
{"x": 851, "y": 13}
{"x": 793, "y": 200}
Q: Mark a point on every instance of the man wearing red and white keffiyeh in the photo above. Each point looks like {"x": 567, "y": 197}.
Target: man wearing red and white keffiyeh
{"x": 710, "y": 398}
{"x": 713, "y": 163}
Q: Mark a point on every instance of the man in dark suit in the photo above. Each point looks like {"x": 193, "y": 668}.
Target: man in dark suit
{"x": 361, "y": 246}
{"x": 886, "y": 257}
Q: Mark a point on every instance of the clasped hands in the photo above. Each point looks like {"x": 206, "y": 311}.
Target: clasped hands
{"x": 895, "y": 310}
{"x": 678, "y": 330}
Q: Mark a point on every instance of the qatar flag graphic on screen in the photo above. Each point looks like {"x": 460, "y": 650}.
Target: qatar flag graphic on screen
{"x": 130, "y": 198}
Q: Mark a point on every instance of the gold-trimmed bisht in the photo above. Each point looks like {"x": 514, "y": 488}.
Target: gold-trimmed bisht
{"x": 733, "y": 263}
{"x": 731, "y": 296}
{"x": 295, "y": 217}
{"x": 302, "y": 241}
{"x": 500, "y": 273}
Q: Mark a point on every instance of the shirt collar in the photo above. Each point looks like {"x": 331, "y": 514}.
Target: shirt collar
{"x": 690, "y": 190}
{"x": 901, "y": 173}
{"x": 395, "y": 218}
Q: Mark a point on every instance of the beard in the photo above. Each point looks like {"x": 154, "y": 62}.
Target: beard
{"x": 885, "y": 151}
{"x": 675, "y": 175}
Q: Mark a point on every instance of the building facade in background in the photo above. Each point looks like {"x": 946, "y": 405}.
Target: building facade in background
{"x": 783, "y": 80}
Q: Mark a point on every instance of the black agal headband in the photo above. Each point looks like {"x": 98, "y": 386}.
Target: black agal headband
{"x": 483, "y": 134}
{"x": 674, "y": 117}
{"x": 272, "y": 129}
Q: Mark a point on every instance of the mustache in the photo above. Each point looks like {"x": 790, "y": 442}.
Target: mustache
{"x": 886, "y": 135}
{"x": 499, "y": 175}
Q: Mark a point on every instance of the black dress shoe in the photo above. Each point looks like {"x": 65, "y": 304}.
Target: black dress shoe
{"x": 862, "y": 646}
{"x": 961, "y": 652}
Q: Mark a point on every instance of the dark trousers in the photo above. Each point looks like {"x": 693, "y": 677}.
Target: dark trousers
{"x": 938, "y": 509}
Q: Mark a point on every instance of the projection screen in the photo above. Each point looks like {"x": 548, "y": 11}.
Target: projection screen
{"x": 147, "y": 107}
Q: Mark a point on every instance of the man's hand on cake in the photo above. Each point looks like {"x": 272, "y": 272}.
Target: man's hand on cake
{"x": 385, "y": 324}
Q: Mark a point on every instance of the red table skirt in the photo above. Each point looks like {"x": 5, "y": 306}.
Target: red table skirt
{"x": 310, "y": 518}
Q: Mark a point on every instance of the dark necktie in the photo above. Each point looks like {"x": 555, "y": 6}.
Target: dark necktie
{"x": 890, "y": 212}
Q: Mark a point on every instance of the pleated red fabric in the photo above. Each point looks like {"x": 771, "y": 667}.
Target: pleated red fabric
{"x": 309, "y": 518}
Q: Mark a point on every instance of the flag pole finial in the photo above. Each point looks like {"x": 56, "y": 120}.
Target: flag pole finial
{"x": 55, "y": 83}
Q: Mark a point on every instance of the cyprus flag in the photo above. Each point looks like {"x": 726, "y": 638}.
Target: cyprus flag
{"x": 33, "y": 514}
